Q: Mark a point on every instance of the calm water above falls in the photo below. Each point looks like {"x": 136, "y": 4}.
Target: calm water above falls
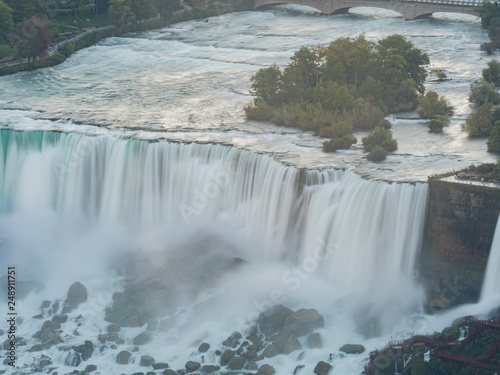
{"x": 192, "y": 80}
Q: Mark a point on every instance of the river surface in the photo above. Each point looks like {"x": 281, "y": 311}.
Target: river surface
{"x": 191, "y": 81}
{"x": 82, "y": 188}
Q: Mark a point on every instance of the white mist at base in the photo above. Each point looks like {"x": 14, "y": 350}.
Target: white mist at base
{"x": 75, "y": 207}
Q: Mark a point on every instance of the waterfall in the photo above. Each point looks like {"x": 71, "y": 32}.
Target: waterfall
{"x": 358, "y": 232}
{"x": 491, "y": 284}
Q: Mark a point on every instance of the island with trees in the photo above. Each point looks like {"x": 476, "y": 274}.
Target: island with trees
{"x": 350, "y": 84}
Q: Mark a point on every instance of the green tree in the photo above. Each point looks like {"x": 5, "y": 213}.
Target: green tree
{"x": 479, "y": 123}
{"x": 493, "y": 142}
{"x": 492, "y": 72}
{"x": 166, "y": 7}
{"x": 120, "y": 12}
{"x": 338, "y": 143}
{"x": 380, "y": 137}
{"x": 30, "y": 38}
{"x": 431, "y": 105}
{"x": 482, "y": 92}
{"x": 6, "y": 21}
{"x": 78, "y": 6}
{"x": 437, "y": 124}
{"x": 21, "y": 9}
{"x": 144, "y": 9}
{"x": 267, "y": 84}
{"x": 377, "y": 154}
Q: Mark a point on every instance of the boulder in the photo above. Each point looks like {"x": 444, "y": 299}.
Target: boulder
{"x": 123, "y": 357}
{"x": 203, "y": 348}
{"x": 90, "y": 368}
{"x": 169, "y": 372}
{"x": 271, "y": 351}
{"x": 281, "y": 339}
{"x": 59, "y": 318}
{"x": 352, "y": 349}
{"x": 236, "y": 363}
{"x": 146, "y": 361}
{"x": 208, "y": 369}
{"x": 252, "y": 365}
{"x": 159, "y": 366}
{"x": 292, "y": 346}
{"x": 314, "y": 341}
{"x": 322, "y": 368}
{"x": 233, "y": 340}
{"x": 304, "y": 321}
{"x": 77, "y": 293}
{"x": 192, "y": 366}
{"x": 273, "y": 320}
{"x": 251, "y": 354}
{"x": 226, "y": 357}
{"x": 266, "y": 370}
{"x": 142, "y": 339}
{"x": 450, "y": 333}
{"x": 86, "y": 350}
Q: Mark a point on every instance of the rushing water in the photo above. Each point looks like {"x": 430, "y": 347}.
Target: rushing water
{"x": 151, "y": 153}
{"x": 491, "y": 286}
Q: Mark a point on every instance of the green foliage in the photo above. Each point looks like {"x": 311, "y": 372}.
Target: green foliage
{"x": 492, "y": 73}
{"x": 490, "y": 20}
{"x": 6, "y": 21}
{"x": 493, "y": 142}
{"x": 30, "y": 38}
{"x": 67, "y": 49}
{"x": 120, "y": 12}
{"x": 437, "y": 124}
{"x": 377, "y": 154}
{"x": 267, "y": 84}
{"x": 432, "y": 105}
{"x": 143, "y": 9}
{"x": 482, "y": 92}
{"x": 366, "y": 115}
{"x": 337, "y": 143}
{"x": 479, "y": 123}
{"x": 259, "y": 111}
{"x": 379, "y": 137}
{"x": 21, "y": 10}
{"x": 5, "y": 51}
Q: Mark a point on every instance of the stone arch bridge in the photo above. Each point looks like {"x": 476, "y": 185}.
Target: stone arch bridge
{"x": 410, "y": 9}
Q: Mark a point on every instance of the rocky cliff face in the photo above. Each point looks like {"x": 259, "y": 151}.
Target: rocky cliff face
{"x": 461, "y": 222}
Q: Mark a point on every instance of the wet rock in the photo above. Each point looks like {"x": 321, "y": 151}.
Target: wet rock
{"x": 266, "y": 370}
{"x": 169, "y": 372}
{"x": 450, "y": 333}
{"x": 273, "y": 320}
{"x": 226, "y": 357}
{"x": 146, "y": 361}
{"x": 73, "y": 359}
{"x": 142, "y": 339}
{"x": 297, "y": 369}
{"x": 314, "y": 341}
{"x": 271, "y": 351}
{"x": 192, "y": 366}
{"x": 160, "y": 365}
{"x": 38, "y": 316}
{"x": 352, "y": 349}
{"x": 90, "y": 368}
{"x": 19, "y": 341}
{"x": 251, "y": 354}
{"x": 135, "y": 350}
{"x": 123, "y": 357}
{"x": 236, "y": 363}
{"x": 45, "y": 305}
{"x": 203, "y": 348}
{"x": 322, "y": 368}
{"x": 292, "y": 346}
{"x": 40, "y": 363}
{"x": 150, "y": 373}
{"x": 152, "y": 324}
{"x": 210, "y": 368}
{"x": 136, "y": 373}
{"x": 113, "y": 328}
{"x": 281, "y": 339}
{"x": 233, "y": 340}
{"x": 86, "y": 350}
{"x": 77, "y": 293}
{"x": 54, "y": 308}
{"x": 304, "y": 321}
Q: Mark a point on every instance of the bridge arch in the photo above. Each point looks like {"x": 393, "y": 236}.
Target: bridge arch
{"x": 410, "y": 9}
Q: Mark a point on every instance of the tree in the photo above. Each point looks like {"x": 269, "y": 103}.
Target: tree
{"x": 337, "y": 143}
{"x": 79, "y": 6}
{"x": 482, "y": 92}
{"x": 437, "y": 124}
{"x": 6, "y": 21}
{"x": 21, "y": 10}
{"x": 479, "y": 123}
{"x": 120, "y": 12}
{"x": 431, "y": 105}
{"x": 377, "y": 154}
{"x": 380, "y": 137}
{"x": 492, "y": 72}
{"x": 144, "y": 9}
{"x": 30, "y": 38}
{"x": 267, "y": 84}
{"x": 494, "y": 139}
{"x": 166, "y": 7}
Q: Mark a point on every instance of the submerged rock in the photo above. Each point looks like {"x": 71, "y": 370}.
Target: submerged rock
{"x": 292, "y": 346}
{"x": 142, "y": 339}
{"x": 314, "y": 341}
{"x": 86, "y": 350}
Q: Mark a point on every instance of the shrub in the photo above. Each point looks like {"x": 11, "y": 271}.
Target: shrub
{"x": 492, "y": 72}
{"x": 437, "y": 124}
{"x": 431, "y": 105}
{"x": 494, "y": 139}
{"x": 482, "y": 92}
{"x": 379, "y": 137}
{"x": 259, "y": 111}
{"x": 337, "y": 143}
{"x": 377, "y": 154}
{"x": 366, "y": 116}
{"x": 5, "y": 51}
{"x": 479, "y": 123}
{"x": 386, "y": 124}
